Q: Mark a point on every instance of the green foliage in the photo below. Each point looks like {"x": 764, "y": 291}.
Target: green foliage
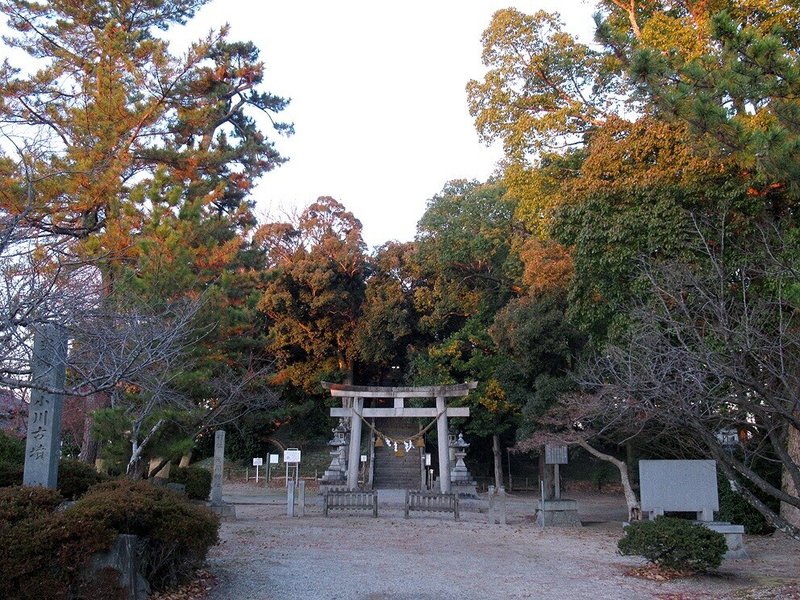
{"x": 42, "y": 551}
{"x": 11, "y": 474}
{"x": 20, "y": 503}
{"x": 43, "y": 557}
{"x": 735, "y": 509}
{"x": 76, "y": 477}
{"x": 176, "y": 534}
{"x": 538, "y": 347}
{"x": 196, "y": 479}
{"x": 12, "y": 460}
{"x": 12, "y": 449}
{"x": 542, "y": 87}
{"x": 674, "y": 543}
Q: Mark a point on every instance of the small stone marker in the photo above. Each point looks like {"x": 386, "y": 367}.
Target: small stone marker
{"x": 48, "y": 368}
{"x": 497, "y": 506}
{"x": 219, "y": 465}
{"x": 217, "y": 505}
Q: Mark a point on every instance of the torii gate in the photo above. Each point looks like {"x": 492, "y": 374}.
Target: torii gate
{"x": 441, "y": 412}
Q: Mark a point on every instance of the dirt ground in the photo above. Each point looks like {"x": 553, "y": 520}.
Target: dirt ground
{"x": 266, "y": 555}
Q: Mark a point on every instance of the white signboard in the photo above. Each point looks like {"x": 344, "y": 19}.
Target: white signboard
{"x": 363, "y": 458}
{"x": 273, "y": 459}
{"x": 291, "y": 455}
{"x": 257, "y": 462}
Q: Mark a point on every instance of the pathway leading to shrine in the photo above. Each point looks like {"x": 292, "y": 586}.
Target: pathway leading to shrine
{"x": 265, "y": 555}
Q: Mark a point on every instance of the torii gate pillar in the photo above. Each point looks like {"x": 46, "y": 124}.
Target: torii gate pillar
{"x": 354, "y": 457}
{"x": 442, "y": 445}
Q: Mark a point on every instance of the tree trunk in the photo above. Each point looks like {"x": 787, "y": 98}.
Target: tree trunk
{"x": 498, "y": 462}
{"x": 634, "y": 509}
{"x": 90, "y": 446}
{"x": 789, "y": 512}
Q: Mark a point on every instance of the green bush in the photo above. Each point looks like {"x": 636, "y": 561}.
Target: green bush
{"x": 42, "y": 551}
{"x": 735, "y": 509}
{"x": 11, "y": 474}
{"x": 176, "y": 535}
{"x": 12, "y": 449}
{"x": 12, "y": 460}
{"x": 75, "y": 477}
{"x": 20, "y": 503}
{"x": 196, "y": 479}
{"x": 674, "y": 543}
{"x": 43, "y": 557}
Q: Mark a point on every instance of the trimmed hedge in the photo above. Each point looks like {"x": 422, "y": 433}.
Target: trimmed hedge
{"x": 674, "y": 543}
{"x": 76, "y": 477}
{"x": 176, "y": 535}
{"x": 44, "y": 551}
{"x": 20, "y": 503}
{"x": 196, "y": 479}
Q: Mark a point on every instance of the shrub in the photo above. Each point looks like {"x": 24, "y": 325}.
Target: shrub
{"x": 196, "y": 479}
{"x": 42, "y": 557}
{"x": 11, "y": 474}
{"x": 41, "y": 550}
{"x": 20, "y": 503}
{"x": 12, "y": 449}
{"x": 176, "y": 535}
{"x": 75, "y": 477}
{"x": 735, "y": 509}
{"x": 674, "y": 543}
{"x": 12, "y": 460}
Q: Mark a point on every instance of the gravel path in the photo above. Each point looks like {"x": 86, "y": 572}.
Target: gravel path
{"x": 265, "y": 555}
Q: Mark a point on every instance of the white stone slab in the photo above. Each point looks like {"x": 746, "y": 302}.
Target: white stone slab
{"x": 678, "y": 486}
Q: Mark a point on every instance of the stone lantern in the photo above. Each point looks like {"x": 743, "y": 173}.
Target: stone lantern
{"x": 461, "y": 481}
{"x": 336, "y": 473}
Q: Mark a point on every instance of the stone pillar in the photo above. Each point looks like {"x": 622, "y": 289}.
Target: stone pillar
{"x": 354, "y": 460}
{"x": 219, "y": 465}
{"x": 48, "y": 369}
{"x": 443, "y": 446}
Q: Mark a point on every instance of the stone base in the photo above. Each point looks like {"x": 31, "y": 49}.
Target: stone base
{"x": 464, "y": 489}
{"x": 123, "y": 558}
{"x": 733, "y": 537}
{"x": 558, "y": 513}
{"x": 327, "y": 486}
{"x": 223, "y": 510}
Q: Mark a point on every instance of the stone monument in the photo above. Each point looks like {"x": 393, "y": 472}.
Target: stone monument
{"x": 687, "y": 486}
{"x": 217, "y": 505}
{"x": 48, "y": 369}
{"x": 555, "y": 510}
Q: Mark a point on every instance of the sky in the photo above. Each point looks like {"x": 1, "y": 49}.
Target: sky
{"x": 378, "y": 99}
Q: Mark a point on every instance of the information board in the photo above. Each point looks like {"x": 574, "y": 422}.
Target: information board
{"x": 291, "y": 455}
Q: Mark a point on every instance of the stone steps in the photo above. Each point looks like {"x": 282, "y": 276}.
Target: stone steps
{"x": 397, "y": 472}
